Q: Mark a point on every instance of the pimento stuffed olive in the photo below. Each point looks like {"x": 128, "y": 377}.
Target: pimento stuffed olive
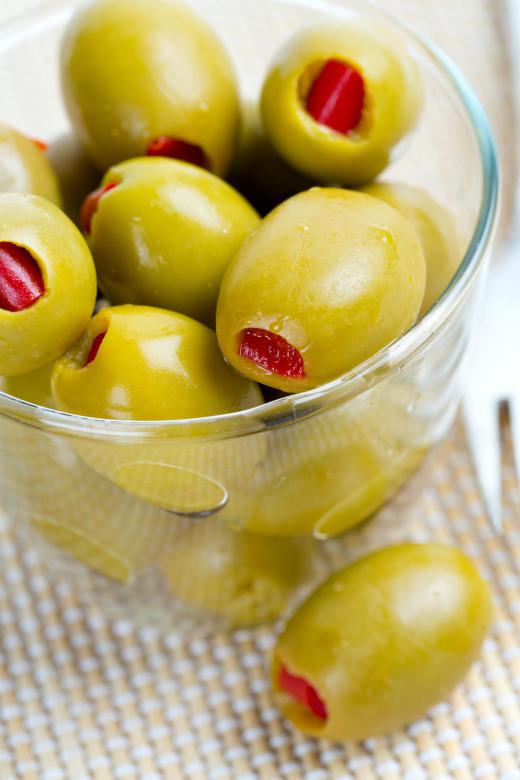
{"x": 381, "y": 642}
{"x": 47, "y": 283}
{"x": 339, "y": 98}
{"x": 329, "y": 278}
{"x": 142, "y": 363}
{"x": 149, "y": 77}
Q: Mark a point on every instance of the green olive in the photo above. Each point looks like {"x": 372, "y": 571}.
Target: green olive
{"x": 259, "y": 172}
{"x": 141, "y": 363}
{"x": 25, "y": 168}
{"x": 331, "y": 472}
{"x": 240, "y": 578}
{"x": 149, "y": 75}
{"x": 34, "y": 387}
{"x": 339, "y": 98}
{"x": 436, "y": 229}
{"x": 328, "y": 279}
{"x": 163, "y": 232}
{"x": 381, "y": 642}
{"x": 47, "y": 283}
{"x": 77, "y": 176}
{"x": 324, "y": 494}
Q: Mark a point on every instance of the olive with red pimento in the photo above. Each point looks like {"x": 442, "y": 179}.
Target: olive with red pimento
{"x": 339, "y": 98}
{"x": 47, "y": 283}
{"x": 149, "y": 77}
{"x": 381, "y": 642}
{"x": 330, "y": 277}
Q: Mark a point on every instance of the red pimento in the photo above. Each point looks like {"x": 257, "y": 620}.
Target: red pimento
{"x": 164, "y": 146}
{"x": 337, "y": 96}
{"x": 41, "y": 145}
{"x": 21, "y": 281}
{"x": 94, "y": 347}
{"x": 300, "y": 689}
{"x": 91, "y": 205}
{"x": 271, "y": 352}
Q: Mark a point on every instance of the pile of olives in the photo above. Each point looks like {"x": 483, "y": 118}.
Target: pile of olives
{"x": 201, "y": 302}
{"x": 327, "y": 278}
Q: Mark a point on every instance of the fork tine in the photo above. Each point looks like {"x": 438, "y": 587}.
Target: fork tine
{"x": 514, "y": 420}
{"x": 483, "y": 432}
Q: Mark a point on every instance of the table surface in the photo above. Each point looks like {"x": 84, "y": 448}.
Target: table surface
{"x": 83, "y": 698}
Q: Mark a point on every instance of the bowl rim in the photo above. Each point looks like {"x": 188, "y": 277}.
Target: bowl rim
{"x": 286, "y": 410}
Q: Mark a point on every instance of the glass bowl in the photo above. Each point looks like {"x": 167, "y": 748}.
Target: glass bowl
{"x": 224, "y": 522}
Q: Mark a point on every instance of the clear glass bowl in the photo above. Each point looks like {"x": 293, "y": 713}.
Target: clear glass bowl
{"x": 224, "y": 522}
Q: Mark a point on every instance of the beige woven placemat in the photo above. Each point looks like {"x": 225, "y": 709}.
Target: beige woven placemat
{"x": 81, "y": 698}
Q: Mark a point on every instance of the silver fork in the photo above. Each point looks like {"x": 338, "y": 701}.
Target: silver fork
{"x": 494, "y": 378}
{"x": 494, "y": 370}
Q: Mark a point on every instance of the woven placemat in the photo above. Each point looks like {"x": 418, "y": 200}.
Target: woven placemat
{"x": 83, "y": 698}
